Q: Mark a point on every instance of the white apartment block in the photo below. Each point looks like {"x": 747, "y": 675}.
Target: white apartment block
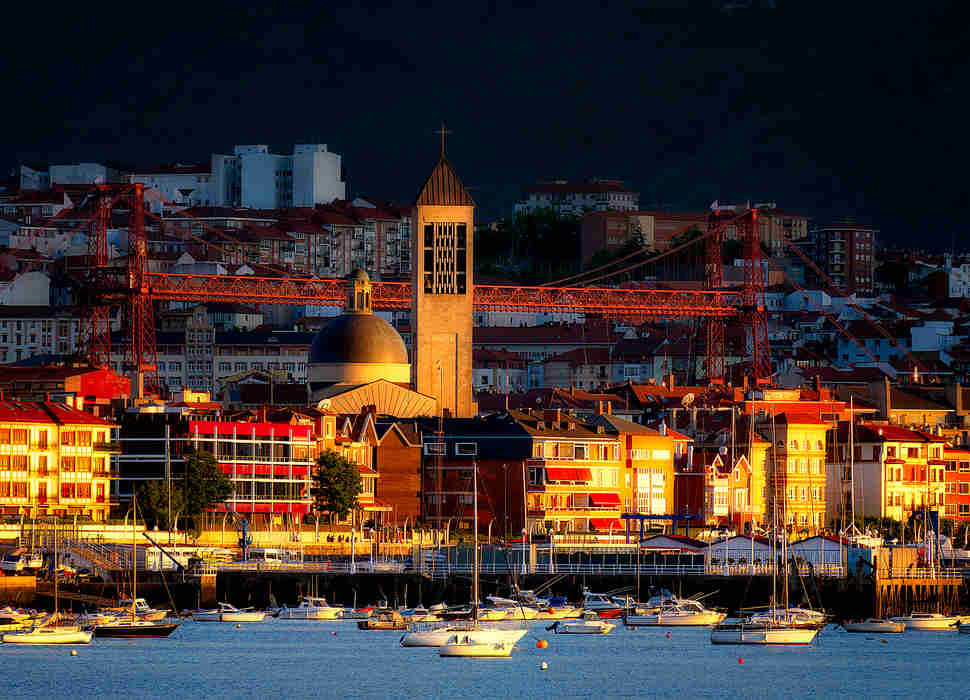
{"x": 254, "y": 178}
{"x": 181, "y": 185}
{"x": 567, "y": 198}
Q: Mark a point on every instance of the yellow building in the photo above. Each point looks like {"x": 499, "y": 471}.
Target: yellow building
{"x": 54, "y": 460}
{"x": 796, "y": 472}
{"x": 647, "y": 481}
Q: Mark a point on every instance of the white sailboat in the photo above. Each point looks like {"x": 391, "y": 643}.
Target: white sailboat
{"x": 48, "y": 631}
{"x": 476, "y": 641}
{"x": 779, "y": 628}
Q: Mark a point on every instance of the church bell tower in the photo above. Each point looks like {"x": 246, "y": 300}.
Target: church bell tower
{"x": 442, "y": 289}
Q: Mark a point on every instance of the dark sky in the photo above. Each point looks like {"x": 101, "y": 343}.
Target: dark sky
{"x": 834, "y": 109}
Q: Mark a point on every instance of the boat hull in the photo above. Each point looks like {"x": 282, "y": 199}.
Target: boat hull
{"x": 946, "y": 624}
{"x": 689, "y": 620}
{"x": 152, "y": 631}
{"x": 332, "y": 614}
{"x": 465, "y": 647}
{"x": 763, "y": 635}
{"x": 436, "y": 638}
{"x": 44, "y": 637}
{"x": 875, "y": 627}
{"x": 585, "y": 628}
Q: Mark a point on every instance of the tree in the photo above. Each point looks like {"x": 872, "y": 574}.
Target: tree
{"x": 153, "y": 503}
{"x": 205, "y": 485}
{"x": 336, "y": 485}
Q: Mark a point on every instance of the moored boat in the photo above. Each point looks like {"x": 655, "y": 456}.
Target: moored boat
{"x": 875, "y": 625}
{"x": 677, "y": 613}
{"x": 311, "y": 609}
{"x": 391, "y": 620}
{"x": 763, "y": 633}
{"x": 589, "y": 624}
{"x": 228, "y": 613}
{"x": 464, "y": 645}
{"x": 429, "y": 636}
{"x": 928, "y": 621}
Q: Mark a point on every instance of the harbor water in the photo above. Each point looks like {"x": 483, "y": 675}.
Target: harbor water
{"x": 287, "y": 659}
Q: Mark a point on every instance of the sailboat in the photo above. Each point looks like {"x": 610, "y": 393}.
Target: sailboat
{"x": 474, "y": 641}
{"x": 130, "y": 625}
{"x": 48, "y": 631}
{"x": 779, "y": 627}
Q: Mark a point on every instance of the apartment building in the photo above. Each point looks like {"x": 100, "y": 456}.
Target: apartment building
{"x": 893, "y": 471}
{"x": 269, "y": 463}
{"x": 796, "y": 478}
{"x": 575, "y": 199}
{"x": 27, "y": 331}
{"x": 845, "y": 252}
{"x": 55, "y": 460}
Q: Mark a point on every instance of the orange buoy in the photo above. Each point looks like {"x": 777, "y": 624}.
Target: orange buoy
{"x": 542, "y": 644}
{"x": 668, "y": 635}
{"x": 740, "y": 660}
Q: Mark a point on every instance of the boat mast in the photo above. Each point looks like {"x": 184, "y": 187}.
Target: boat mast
{"x": 55, "y": 568}
{"x": 774, "y": 519}
{"x": 475, "y": 542}
{"x": 852, "y": 527}
{"x": 134, "y": 554}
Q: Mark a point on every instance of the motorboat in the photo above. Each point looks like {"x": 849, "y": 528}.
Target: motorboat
{"x": 464, "y": 645}
{"x": 20, "y": 560}
{"x": 420, "y": 614}
{"x": 309, "y": 609}
{"x": 358, "y": 613}
{"x": 602, "y": 604}
{"x": 674, "y": 613}
{"x": 589, "y": 624}
{"x": 389, "y": 620}
{"x": 792, "y": 616}
{"x": 430, "y": 636}
{"x": 875, "y": 625}
{"x": 928, "y": 621}
{"x": 560, "y": 613}
{"x": 514, "y": 610}
{"x": 762, "y": 633}
{"x": 228, "y": 613}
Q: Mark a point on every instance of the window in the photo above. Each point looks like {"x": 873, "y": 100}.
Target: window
{"x": 466, "y": 448}
{"x": 891, "y": 451}
{"x": 912, "y": 453}
{"x": 434, "y": 448}
{"x": 964, "y": 488}
{"x": 67, "y": 464}
{"x": 964, "y": 467}
{"x": 581, "y": 451}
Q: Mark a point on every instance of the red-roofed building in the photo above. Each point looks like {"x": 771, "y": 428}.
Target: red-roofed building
{"x": 95, "y": 388}
{"x": 890, "y": 473}
{"x": 54, "y": 460}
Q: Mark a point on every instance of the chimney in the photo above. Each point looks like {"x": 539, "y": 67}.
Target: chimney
{"x": 609, "y": 408}
{"x": 669, "y": 382}
{"x": 818, "y": 385}
{"x": 693, "y": 419}
{"x": 598, "y": 408}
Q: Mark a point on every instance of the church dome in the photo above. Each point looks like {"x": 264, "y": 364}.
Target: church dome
{"x": 358, "y": 347}
{"x": 358, "y": 338}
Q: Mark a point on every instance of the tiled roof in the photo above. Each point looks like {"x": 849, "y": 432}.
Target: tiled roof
{"x": 590, "y": 333}
{"x": 45, "y": 412}
{"x": 444, "y": 187}
{"x": 901, "y": 400}
{"x": 582, "y": 356}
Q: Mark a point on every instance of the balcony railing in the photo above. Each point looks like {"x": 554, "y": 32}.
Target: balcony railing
{"x": 107, "y": 446}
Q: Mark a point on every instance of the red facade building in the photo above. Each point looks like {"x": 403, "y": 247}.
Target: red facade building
{"x": 957, "y": 478}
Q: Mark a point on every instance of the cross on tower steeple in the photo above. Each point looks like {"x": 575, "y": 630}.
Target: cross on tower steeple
{"x": 444, "y": 132}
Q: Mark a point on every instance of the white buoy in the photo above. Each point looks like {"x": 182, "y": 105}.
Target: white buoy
{"x": 544, "y": 666}
{"x": 73, "y": 652}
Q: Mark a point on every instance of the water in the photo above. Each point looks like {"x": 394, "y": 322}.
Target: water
{"x": 287, "y": 659}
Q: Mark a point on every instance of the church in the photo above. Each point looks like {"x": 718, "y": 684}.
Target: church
{"x": 359, "y": 359}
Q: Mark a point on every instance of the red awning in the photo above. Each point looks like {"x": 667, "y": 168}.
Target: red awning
{"x": 604, "y": 499}
{"x": 893, "y": 460}
{"x": 604, "y": 524}
{"x": 567, "y": 474}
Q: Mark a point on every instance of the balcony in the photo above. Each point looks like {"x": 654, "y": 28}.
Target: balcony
{"x": 114, "y": 447}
